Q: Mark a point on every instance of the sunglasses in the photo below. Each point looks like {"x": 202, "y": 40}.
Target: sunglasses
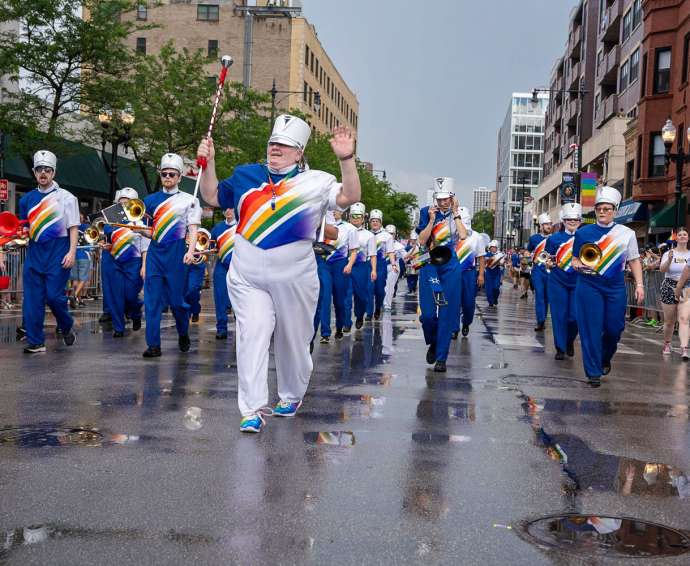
{"x": 169, "y": 174}
{"x": 356, "y": 215}
{"x": 43, "y": 169}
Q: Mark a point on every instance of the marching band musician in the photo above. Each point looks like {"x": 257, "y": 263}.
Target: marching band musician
{"x": 223, "y": 241}
{"x": 440, "y": 225}
{"x": 363, "y": 266}
{"x": 272, "y": 279}
{"x": 493, "y": 273}
{"x": 174, "y": 213}
{"x": 394, "y": 274}
{"x": 195, "y": 281}
{"x": 127, "y": 250}
{"x": 470, "y": 252}
{"x": 600, "y": 296}
{"x": 334, "y": 276}
{"x": 81, "y": 270}
{"x": 53, "y": 220}
{"x": 411, "y": 275}
{"x": 562, "y": 280}
{"x": 385, "y": 259}
{"x": 540, "y": 274}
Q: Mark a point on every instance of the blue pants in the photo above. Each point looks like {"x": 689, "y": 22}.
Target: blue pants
{"x": 166, "y": 279}
{"x": 541, "y": 299}
{"x": 195, "y": 281}
{"x": 492, "y": 284}
{"x": 412, "y": 281}
{"x": 221, "y": 297}
{"x": 439, "y": 323}
{"x": 362, "y": 289}
{"x": 44, "y": 284}
{"x": 334, "y": 287}
{"x": 563, "y": 320}
{"x": 380, "y": 283}
{"x": 107, "y": 266}
{"x": 600, "y": 313}
{"x": 122, "y": 292}
{"x": 468, "y": 298}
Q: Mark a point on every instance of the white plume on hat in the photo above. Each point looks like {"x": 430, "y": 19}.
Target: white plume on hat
{"x": 376, "y": 214}
{"x": 607, "y": 195}
{"x": 358, "y": 208}
{"x": 172, "y": 161}
{"x": 45, "y": 158}
{"x": 444, "y": 187}
{"x": 571, "y": 211}
{"x": 290, "y": 130}
{"x": 544, "y": 218}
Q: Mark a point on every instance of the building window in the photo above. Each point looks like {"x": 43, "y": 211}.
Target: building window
{"x": 306, "y": 55}
{"x": 657, "y": 161}
{"x": 662, "y": 70}
{"x": 637, "y": 13}
{"x": 212, "y": 48}
{"x": 142, "y": 12}
{"x": 304, "y": 94}
{"x": 141, "y": 45}
{"x": 212, "y": 82}
{"x": 624, "y": 75}
{"x": 207, "y": 12}
{"x": 643, "y": 87}
{"x": 686, "y": 52}
{"x": 634, "y": 66}
{"x": 311, "y": 61}
{"x": 627, "y": 25}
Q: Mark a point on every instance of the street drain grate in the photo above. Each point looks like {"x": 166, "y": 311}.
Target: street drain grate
{"x": 38, "y": 436}
{"x": 604, "y": 536}
{"x": 543, "y": 380}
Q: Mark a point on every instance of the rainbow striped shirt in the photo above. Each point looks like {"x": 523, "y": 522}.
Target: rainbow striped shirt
{"x": 618, "y": 245}
{"x": 468, "y": 250}
{"x": 50, "y": 214}
{"x": 224, "y": 235}
{"x": 172, "y": 213}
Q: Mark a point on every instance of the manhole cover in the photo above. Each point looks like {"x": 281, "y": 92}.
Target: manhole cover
{"x": 543, "y": 381}
{"x": 38, "y": 436}
{"x": 605, "y": 536}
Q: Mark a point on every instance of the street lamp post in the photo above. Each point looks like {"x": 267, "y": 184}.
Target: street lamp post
{"x": 522, "y": 208}
{"x": 274, "y": 92}
{"x": 115, "y": 134}
{"x": 668, "y": 134}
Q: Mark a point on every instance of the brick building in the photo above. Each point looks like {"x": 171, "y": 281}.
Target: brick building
{"x": 268, "y": 40}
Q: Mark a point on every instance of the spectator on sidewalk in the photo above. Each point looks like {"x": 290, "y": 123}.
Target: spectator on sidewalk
{"x": 673, "y": 263}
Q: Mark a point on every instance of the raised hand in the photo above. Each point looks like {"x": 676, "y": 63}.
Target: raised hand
{"x": 342, "y": 142}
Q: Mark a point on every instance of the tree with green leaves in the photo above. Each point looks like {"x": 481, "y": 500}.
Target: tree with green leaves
{"x": 483, "y": 221}
{"x": 58, "y": 51}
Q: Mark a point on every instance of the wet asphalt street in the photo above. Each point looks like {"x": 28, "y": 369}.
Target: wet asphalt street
{"x": 107, "y": 458}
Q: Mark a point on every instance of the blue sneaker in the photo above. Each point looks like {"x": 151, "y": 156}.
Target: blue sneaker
{"x": 286, "y": 408}
{"x": 252, "y": 423}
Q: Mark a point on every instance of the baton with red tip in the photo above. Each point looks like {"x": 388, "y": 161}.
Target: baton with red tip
{"x": 201, "y": 161}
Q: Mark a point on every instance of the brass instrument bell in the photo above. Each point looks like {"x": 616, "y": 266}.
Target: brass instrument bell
{"x": 134, "y": 209}
{"x": 590, "y": 255}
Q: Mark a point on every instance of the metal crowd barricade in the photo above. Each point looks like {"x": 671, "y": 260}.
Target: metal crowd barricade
{"x": 652, "y": 299}
{"x": 14, "y": 266}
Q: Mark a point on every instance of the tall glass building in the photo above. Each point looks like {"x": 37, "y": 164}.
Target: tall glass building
{"x": 518, "y": 164}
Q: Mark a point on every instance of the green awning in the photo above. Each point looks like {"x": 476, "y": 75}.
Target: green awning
{"x": 80, "y": 170}
{"x": 666, "y": 217}
{"x": 16, "y": 169}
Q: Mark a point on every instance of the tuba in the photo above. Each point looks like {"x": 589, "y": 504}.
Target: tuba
{"x": 590, "y": 255}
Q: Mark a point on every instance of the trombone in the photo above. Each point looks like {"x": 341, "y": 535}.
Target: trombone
{"x": 134, "y": 210}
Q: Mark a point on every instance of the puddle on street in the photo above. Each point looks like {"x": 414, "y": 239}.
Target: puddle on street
{"x": 606, "y": 537}
{"x": 48, "y": 435}
{"x": 437, "y": 411}
{"x": 438, "y": 438}
{"x": 335, "y": 438}
{"x": 448, "y": 384}
{"x": 593, "y": 407}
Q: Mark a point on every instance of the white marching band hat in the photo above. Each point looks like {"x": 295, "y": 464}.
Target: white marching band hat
{"x": 376, "y": 214}
{"x": 358, "y": 208}
{"x": 126, "y": 192}
{"x": 290, "y": 130}
{"x": 172, "y": 161}
{"x": 45, "y": 158}
{"x": 607, "y": 195}
{"x": 391, "y": 229}
{"x": 544, "y": 218}
{"x": 571, "y": 211}
{"x": 444, "y": 187}
{"x": 493, "y": 244}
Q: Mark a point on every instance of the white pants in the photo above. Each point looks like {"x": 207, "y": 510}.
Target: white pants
{"x": 391, "y": 278}
{"x": 273, "y": 292}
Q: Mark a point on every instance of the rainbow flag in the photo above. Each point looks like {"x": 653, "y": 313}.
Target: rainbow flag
{"x": 588, "y": 188}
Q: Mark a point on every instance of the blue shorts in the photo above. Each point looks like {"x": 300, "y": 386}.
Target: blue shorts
{"x": 81, "y": 270}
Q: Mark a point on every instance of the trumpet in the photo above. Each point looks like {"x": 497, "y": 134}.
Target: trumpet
{"x": 590, "y": 255}
{"x": 203, "y": 240}
{"x": 95, "y": 231}
{"x": 9, "y": 243}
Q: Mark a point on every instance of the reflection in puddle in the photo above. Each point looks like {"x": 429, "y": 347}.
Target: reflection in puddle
{"x": 333, "y": 408}
{"x": 436, "y": 438}
{"x": 588, "y": 469}
{"x": 337, "y": 438}
{"x": 448, "y": 384}
{"x": 587, "y": 407}
{"x": 442, "y": 411}
{"x": 42, "y": 436}
{"x": 599, "y": 536}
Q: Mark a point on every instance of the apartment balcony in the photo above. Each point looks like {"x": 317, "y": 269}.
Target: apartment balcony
{"x": 575, "y": 43}
{"x": 556, "y": 143}
{"x": 609, "y": 30}
{"x": 608, "y": 69}
{"x": 570, "y": 113}
{"x": 606, "y": 110}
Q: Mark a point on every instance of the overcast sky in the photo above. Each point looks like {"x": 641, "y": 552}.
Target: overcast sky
{"x": 434, "y": 78}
